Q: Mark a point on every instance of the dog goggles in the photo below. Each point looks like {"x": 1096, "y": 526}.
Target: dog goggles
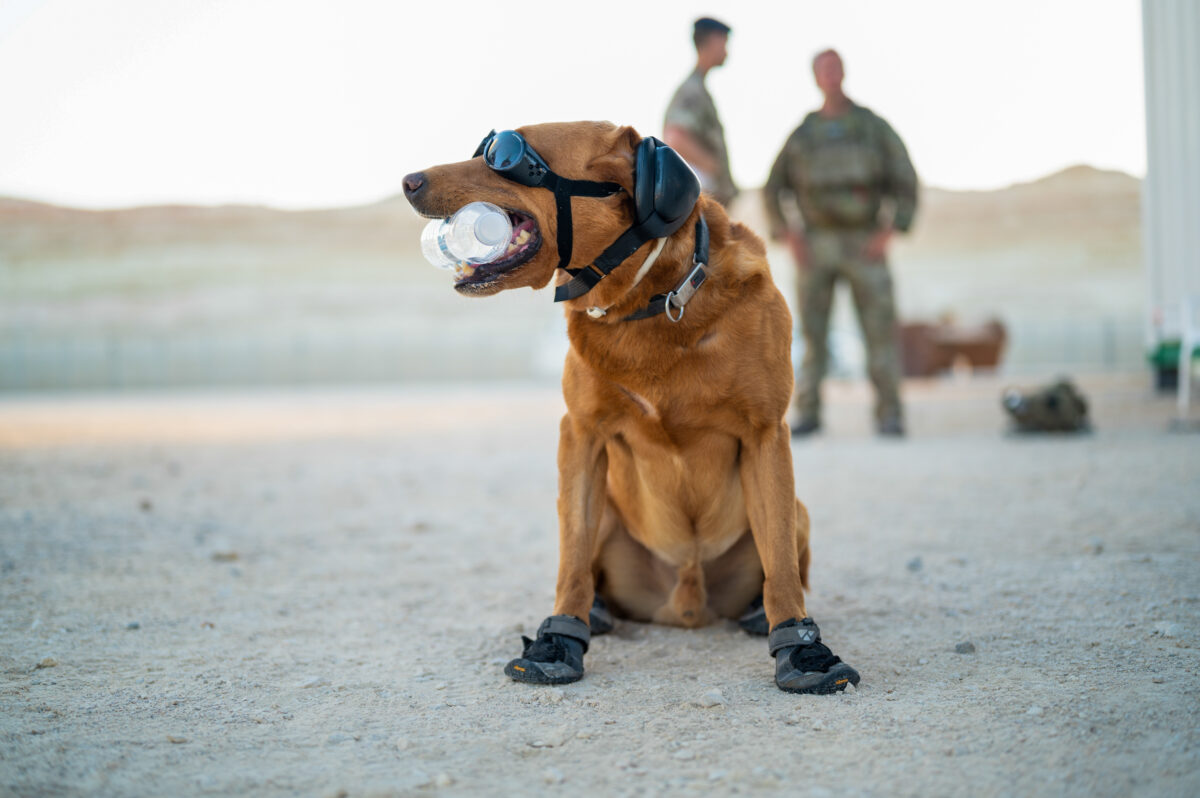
{"x": 509, "y": 155}
{"x": 665, "y": 192}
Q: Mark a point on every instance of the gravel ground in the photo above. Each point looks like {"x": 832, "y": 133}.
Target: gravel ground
{"x": 314, "y": 594}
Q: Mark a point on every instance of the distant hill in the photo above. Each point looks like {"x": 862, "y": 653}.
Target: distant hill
{"x": 179, "y": 294}
{"x": 30, "y": 230}
{"x": 1078, "y": 201}
{"x": 1104, "y": 206}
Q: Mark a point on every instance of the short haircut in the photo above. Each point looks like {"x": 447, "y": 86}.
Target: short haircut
{"x": 825, "y": 52}
{"x": 705, "y": 27}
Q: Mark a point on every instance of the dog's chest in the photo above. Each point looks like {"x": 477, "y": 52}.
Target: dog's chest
{"x": 642, "y": 407}
{"x": 677, "y": 483}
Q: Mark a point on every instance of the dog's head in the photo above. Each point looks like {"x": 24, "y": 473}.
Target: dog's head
{"x": 592, "y": 151}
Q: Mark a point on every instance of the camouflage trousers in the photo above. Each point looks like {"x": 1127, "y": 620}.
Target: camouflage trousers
{"x": 837, "y": 255}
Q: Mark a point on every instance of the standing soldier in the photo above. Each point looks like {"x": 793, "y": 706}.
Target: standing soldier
{"x": 691, "y": 125}
{"x": 843, "y": 166}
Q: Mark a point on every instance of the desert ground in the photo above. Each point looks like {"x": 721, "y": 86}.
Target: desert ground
{"x": 314, "y": 592}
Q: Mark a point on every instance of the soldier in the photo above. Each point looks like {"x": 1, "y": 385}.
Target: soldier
{"x": 691, "y": 125}
{"x": 850, "y": 175}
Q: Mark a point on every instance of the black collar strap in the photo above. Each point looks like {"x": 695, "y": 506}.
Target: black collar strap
{"x": 673, "y": 302}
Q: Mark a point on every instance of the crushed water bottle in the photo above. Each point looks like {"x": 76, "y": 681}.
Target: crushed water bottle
{"x": 477, "y": 233}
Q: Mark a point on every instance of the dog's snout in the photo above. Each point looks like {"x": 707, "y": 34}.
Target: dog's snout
{"x": 413, "y": 184}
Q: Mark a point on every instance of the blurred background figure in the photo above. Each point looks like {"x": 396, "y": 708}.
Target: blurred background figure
{"x": 851, "y": 178}
{"x": 691, "y": 124}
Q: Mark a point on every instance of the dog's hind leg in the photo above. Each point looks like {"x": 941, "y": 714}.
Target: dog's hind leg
{"x": 601, "y": 618}
{"x": 735, "y": 579}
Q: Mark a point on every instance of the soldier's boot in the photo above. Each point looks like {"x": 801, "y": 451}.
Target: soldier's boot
{"x": 890, "y": 427}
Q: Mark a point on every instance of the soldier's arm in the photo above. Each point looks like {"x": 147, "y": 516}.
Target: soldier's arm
{"x": 773, "y": 192}
{"x": 900, "y": 179}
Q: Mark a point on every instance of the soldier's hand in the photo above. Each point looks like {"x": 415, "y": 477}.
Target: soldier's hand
{"x": 877, "y": 245}
{"x": 799, "y": 246}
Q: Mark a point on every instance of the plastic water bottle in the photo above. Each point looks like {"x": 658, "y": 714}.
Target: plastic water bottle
{"x": 477, "y": 233}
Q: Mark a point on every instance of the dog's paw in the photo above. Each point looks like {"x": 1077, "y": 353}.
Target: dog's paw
{"x": 803, "y": 664}
{"x": 555, "y": 656}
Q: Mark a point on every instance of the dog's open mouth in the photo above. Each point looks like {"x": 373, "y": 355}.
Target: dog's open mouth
{"x": 525, "y": 242}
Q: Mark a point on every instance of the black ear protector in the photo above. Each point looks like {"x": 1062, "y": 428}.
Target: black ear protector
{"x": 665, "y": 187}
{"x": 665, "y": 190}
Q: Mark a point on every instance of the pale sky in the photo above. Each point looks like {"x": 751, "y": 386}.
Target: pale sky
{"x": 294, "y": 103}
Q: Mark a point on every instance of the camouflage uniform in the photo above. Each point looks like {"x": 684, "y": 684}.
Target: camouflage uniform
{"x": 692, "y": 109}
{"x": 839, "y": 171}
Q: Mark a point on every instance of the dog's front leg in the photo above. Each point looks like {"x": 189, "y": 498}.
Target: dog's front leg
{"x": 582, "y": 493}
{"x": 803, "y": 664}
{"x": 556, "y": 655}
{"x": 770, "y": 493}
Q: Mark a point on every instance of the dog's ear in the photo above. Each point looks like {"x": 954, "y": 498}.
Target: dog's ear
{"x": 616, "y": 163}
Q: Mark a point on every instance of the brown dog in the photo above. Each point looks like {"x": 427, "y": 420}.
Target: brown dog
{"x": 676, "y": 501}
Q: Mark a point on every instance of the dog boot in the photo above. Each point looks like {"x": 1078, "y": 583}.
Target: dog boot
{"x": 754, "y": 619}
{"x": 803, "y": 664}
{"x": 600, "y": 620}
{"x": 556, "y": 656}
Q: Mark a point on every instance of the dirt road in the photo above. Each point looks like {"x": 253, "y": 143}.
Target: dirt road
{"x": 314, "y": 594}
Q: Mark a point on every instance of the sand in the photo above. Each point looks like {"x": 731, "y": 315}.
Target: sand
{"x": 314, "y": 594}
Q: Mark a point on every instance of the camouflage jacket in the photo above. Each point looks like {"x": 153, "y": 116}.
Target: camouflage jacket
{"x": 692, "y": 109}
{"x": 839, "y": 170}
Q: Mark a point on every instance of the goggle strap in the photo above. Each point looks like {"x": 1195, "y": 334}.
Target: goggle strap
{"x": 564, "y": 189}
{"x": 585, "y": 280}
{"x": 590, "y": 188}
{"x": 562, "y": 202}
{"x": 483, "y": 144}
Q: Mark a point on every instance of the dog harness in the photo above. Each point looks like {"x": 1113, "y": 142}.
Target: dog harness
{"x": 665, "y": 192}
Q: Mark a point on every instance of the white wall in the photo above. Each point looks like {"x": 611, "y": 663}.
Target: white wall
{"x": 1171, "y": 192}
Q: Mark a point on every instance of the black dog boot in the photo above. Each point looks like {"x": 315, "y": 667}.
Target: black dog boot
{"x": 754, "y": 620}
{"x": 556, "y": 656}
{"x": 803, "y": 664}
{"x": 600, "y": 618}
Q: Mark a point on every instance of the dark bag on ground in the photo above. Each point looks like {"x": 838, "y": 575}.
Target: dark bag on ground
{"x": 1059, "y": 407}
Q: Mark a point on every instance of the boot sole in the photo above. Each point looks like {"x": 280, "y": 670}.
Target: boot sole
{"x": 523, "y": 670}
{"x": 834, "y": 681}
